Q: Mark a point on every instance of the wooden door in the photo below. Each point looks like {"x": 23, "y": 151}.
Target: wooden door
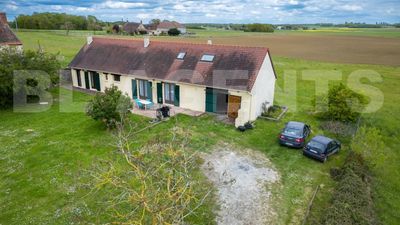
{"x": 234, "y": 106}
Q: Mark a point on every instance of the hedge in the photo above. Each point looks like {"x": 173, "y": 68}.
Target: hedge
{"x": 351, "y": 201}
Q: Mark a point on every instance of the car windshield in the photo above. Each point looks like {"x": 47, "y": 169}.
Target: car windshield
{"x": 316, "y": 145}
{"x": 292, "y": 131}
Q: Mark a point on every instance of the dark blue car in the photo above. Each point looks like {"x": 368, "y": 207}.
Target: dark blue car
{"x": 321, "y": 148}
{"x": 294, "y": 134}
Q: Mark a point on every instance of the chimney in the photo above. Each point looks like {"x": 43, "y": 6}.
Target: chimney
{"x": 209, "y": 42}
{"x": 146, "y": 41}
{"x": 89, "y": 40}
{"x": 3, "y": 18}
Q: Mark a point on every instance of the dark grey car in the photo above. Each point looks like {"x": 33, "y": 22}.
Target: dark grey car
{"x": 294, "y": 134}
{"x": 321, "y": 147}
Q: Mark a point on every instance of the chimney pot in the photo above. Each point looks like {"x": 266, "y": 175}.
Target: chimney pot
{"x": 146, "y": 41}
{"x": 89, "y": 40}
{"x": 3, "y": 18}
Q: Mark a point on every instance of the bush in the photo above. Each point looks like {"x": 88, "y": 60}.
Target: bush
{"x": 174, "y": 32}
{"x": 257, "y": 27}
{"x": 11, "y": 60}
{"x": 343, "y": 104}
{"x": 351, "y": 200}
{"x": 369, "y": 143}
{"x": 110, "y": 107}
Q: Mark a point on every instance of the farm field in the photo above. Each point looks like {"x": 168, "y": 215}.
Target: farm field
{"x": 309, "y": 45}
{"x": 37, "y": 169}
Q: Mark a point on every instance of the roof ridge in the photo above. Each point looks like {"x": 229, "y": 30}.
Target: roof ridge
{"x": 177, "y": 42}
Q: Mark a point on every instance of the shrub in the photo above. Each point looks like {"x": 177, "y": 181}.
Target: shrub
{"x": 11, "y": 60}
{"x": 343, "y": 104}
{"x": 174, "y": 32}
{"x": 110, "y": 107}
{"x": 369, "y": 143}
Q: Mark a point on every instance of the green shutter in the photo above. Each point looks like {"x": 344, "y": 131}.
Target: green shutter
{"x": 87, "y": 85}
{"x": 134, "y": 89}
{"x": 159, "y": 93}
{"x": 149, "y": 90}
{"x": 211, "y": 100}
{"x": 177, "y": 95}
{"x": 96, "y": 80}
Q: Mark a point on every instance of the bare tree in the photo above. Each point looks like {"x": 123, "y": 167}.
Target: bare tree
{"x": 155, "y": 185}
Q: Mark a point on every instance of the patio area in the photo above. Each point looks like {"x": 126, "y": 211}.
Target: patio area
{"x": 151, "y": 112}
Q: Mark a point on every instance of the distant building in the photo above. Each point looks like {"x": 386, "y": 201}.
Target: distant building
{"x": 165, "y": 26}
{"x": 7, "y": 36}
{"x": 133, "y": 28}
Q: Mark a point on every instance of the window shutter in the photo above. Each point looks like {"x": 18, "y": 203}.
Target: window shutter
{"x": 177, "y": 95}
{"x": 134, "y": 89}
{"x": 87, "y": 85}
{"x": 159, "y": 93}
{"x": 149, "y": 90}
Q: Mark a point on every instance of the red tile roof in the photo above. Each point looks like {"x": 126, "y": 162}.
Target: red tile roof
{"x": 233, "y": 67}
{"x": 7, "y": 37}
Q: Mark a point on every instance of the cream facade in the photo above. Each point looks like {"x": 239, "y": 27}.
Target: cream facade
{"x": 191, "y": 96}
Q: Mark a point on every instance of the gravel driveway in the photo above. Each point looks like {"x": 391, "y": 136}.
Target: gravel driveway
{"x": 242, "y": 179}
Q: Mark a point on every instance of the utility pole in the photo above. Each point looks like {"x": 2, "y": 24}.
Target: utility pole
{"x": 16, "y": 24}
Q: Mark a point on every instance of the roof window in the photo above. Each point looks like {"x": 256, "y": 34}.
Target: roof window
{"x": 181, "y": 55}
{"x": 207, "y": 58}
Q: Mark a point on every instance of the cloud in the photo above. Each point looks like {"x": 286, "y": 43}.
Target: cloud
{"x": 218, "y": 11}
{"x": 120, "y": 5}
{"x": 351, "y": 8}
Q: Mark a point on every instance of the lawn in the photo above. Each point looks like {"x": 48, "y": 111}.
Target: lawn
{"x": 44, "y": 156}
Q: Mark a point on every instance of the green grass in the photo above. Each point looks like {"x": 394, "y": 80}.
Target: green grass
{"x": 40, "y": 170}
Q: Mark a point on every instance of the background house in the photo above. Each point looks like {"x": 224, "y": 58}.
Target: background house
{"x": 7, "y": 37}
{"x": 165, "y": 26}
{"x": 228, "y": 80}
{"x": 133, "y": 28}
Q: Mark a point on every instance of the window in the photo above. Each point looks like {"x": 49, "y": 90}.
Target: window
{"x": 106, "y": 76}
{"x": 169, "y": 93}
{"x": 143, "y": 89}
{"x": 181, "y": 55}
{"x": 207, "y": 58}
{"x": 117, "y": 77}
{"x": 78, "y": 78}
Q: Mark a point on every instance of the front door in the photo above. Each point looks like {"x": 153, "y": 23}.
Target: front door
{"x": 233, "y": 106}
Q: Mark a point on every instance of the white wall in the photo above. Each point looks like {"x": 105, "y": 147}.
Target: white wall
{"x": 192, "y": 97}
{"x": 263, "y": 89}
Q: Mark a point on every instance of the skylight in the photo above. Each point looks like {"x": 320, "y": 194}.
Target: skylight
{"x": 207, "y": 58}
{"x": 181, "y": 55}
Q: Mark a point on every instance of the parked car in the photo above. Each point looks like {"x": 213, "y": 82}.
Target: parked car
{"x": 294, "y": 134}
{"x": 321, "y": 148}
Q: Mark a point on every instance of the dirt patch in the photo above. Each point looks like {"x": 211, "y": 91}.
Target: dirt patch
{"x": 243, "y": 180}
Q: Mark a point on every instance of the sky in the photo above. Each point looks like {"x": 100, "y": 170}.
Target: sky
{"x": 217, "y": 11}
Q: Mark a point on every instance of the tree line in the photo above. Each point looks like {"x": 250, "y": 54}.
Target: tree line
{"x": 58, "y": 21}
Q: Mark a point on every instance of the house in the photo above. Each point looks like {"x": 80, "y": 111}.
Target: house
{"x": 7, "y": 36}
{"x": 229, "y": 80}
{"x": 165, "y": 26}
{"x": 134, "y": 28}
